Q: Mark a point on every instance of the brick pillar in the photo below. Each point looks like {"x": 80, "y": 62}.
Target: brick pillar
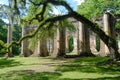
{"x": 108, "y": 23}
{"x": 36, "y": 52}
{"x": 66, "y": 41}
{"x": 56, "y": 43}
{"x": 24, "y": 45}
{"x": 43, "y": 47}
{"x": 50, "y": 45}
{"x": 84, "y": 38}
{"x": 62, "y": 42}
{"x": 93, "y": 42}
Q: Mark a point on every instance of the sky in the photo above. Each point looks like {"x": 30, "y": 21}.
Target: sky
{"x": 3, "y": 1}
{"x": 72, "y": 3}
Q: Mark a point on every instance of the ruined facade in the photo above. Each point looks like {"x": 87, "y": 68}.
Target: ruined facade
{"x": 84, "y": 40}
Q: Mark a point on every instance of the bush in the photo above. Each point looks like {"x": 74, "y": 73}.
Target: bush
{"x": 2, "y": 49}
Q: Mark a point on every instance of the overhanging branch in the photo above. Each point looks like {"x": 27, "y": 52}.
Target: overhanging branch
{"x": 54, "y": 19}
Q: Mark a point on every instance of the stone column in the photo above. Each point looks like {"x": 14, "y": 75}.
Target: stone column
{"x": 66, "y": 41}
{"x": 108, "y": 23}
{"x": 56, "y": 44}
{"x": 102, "y": 49}
{"x": 38, "y": 46}
{"x": 43, "y": 47}
{"x": 50, "y": 45}
{"x": 84, "y": 39}
{"x": 24, "y": 45}
{"x": 93, "y": 42}
{"x": 36, "y": 52}
{"x": 62, "y": 42}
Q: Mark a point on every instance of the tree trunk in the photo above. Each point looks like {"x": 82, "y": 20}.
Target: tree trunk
{"x": 9, "y": 39}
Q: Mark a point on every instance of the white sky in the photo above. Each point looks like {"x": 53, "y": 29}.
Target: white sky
{"x": 78, "y": 1}
{"x": 1, "y": 2}
{"x": 73, "y": 4}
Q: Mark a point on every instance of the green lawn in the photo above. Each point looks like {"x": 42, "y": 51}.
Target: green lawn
{"x": 35, "y": 68}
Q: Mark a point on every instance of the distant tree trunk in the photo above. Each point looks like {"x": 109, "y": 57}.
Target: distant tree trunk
{"x": 9, "y": 38}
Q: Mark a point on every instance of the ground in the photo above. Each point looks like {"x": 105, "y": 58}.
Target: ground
{"x": 36, "y": 68}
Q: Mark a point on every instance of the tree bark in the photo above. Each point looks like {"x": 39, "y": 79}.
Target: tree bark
{"x": 9, "y": 39}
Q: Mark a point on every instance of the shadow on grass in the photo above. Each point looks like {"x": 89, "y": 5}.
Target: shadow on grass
{"x": 29, "y": 75}
{"x": 89, "y": 69}
{"x": 32, "y": 75}
{"x": 90, "y": 60}
{"x": 8, "y": 63}
{"x": 104, "y": 78}
{"x": 89, "y": 65}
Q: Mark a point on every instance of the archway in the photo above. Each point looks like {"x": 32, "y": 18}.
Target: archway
{"x": 70, "y": 43}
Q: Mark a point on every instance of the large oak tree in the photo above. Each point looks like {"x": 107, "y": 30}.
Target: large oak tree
{"x": 110, "y": 42}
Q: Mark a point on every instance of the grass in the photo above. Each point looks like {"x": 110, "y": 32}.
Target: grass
{"x": 35, "y": 68}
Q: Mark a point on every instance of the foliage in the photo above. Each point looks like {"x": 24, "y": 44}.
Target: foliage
{"x": 2, "y": 49}
{"x": 16, "y": 36}
{"x": 110, "y": 42}
{"x": 70, "y": 43}
{"x": 3, "y": 31}
{"x": 96, "y": 8}
{"x": 3, "y": 37}
{"x": 97, "y": 43}
{"x": 117, "y": 25}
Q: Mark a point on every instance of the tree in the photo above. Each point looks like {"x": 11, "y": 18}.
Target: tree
{"x": 3, "y": 31}
{"x": 3, "y": 37}
{"x": 96, "y": 8}
{"x": 6, "y": 11}
{"x": 110, "y": 42}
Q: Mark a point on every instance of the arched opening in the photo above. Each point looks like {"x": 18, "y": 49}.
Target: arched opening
{"x": 97, "y": 41}
{"x": 70, "y": 43}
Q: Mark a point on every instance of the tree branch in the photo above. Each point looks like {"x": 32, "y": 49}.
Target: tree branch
{"x": 53, "y": 20}
{"x": 110, "y": 42}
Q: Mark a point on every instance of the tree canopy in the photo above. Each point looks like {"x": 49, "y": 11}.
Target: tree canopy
{"x": 40, "y": 17}
{"x": 96, "y": 8}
